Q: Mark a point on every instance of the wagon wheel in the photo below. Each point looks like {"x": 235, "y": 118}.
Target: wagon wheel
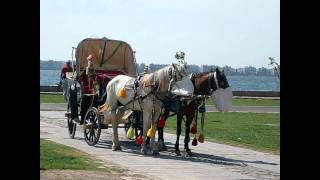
{"x": 72, "y": 126}
{"x": 92, "y": 126}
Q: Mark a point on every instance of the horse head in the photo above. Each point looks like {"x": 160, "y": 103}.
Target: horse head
{"x": 221, "y": 79}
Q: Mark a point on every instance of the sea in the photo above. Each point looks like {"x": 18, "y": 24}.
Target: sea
{"x": 237, "y": 83}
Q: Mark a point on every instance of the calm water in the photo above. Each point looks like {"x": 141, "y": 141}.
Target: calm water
{"x": 270, "y": 83}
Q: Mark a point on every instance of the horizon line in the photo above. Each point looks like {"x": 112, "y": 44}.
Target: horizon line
{"x": 187, "y": 64}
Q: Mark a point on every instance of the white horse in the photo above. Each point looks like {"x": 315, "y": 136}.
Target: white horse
{"x": 124, "y": 92}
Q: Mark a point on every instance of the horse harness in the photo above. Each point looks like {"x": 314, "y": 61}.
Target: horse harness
{"x": 154, "y": 88}
{"x": 213, "y": 75}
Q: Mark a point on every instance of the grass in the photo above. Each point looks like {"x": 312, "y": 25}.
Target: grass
{"x": 50, "y": 98}
{"x": 250, "y": 102}
{"x": 58, "y": 156}
{"x": 255, "y": 102}
{"x": 257, "y": 131}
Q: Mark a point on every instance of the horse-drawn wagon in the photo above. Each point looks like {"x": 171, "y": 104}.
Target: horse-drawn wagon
{"x": 105, "y": 90}
{"x": 97, "y": 62}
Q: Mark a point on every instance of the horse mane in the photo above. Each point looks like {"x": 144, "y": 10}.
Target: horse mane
{"x": 199, "y": 74}
{"x": 161, "y": 77}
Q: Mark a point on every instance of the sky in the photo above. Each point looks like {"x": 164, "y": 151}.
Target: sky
{"x": 236, "y": 33}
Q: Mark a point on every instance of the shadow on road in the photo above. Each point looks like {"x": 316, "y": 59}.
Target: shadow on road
{"x": 130, "y": 146}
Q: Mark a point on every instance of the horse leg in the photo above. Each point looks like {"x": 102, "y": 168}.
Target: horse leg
{"x": 187, "y": 137}
{"x": 146, "y": 115}
{"x": 154, "y": 148}
{"x": 179, "y": 121}
{"x": 115, "y": 141}
{"x": 148, "y": 142}
{"x": 155, "y": 117}
{"x": 160, "y": 139}
{"x": 161, "y": 145}
{"x": 136, "y": 132}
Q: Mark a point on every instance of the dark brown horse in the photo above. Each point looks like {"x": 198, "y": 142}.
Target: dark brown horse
{"x": 204, "y": 84}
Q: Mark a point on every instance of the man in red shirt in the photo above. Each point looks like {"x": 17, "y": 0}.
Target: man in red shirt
{"x": 65, "y": 68}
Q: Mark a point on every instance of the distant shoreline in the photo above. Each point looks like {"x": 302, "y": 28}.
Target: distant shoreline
{"x": 193, "y": 72}
{"x": 229, "y": 71}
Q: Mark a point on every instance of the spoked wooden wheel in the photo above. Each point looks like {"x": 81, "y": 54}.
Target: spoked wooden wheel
{"x": 72, "y": 126}
{"x": 92, "y": 126}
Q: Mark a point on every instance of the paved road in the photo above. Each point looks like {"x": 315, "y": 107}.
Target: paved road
{"x": 210, "y": 160}
{"x": 210, "y": 108}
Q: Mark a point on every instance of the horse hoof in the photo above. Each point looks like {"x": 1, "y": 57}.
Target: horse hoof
{"x": 144, "y": 151}
{"x": 177, "y": 152}
{"x": 160, "y": 146}
{"x": 189, "y": 152}
{"x": 164, "y": 148}
{"x": 155, "y": 153}
{"x": 116, "y": 148}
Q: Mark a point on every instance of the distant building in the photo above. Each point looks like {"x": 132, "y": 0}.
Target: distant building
{"x": 141, "y": 67}
{"x": 249, "y": 70}
{"x": 155, "y": 67}
{"x": 193, "y": 68}
{"x": 228, "y": 70}
{"x": 272, "y": 72}
{"x": 206, "y": 68}
{"x": 263, "y": 72}
{"x": 240, "y": 71}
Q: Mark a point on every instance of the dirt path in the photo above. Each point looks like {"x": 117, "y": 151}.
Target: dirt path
{"x": 85, "y": 175}
{"x": 210, "y": 160}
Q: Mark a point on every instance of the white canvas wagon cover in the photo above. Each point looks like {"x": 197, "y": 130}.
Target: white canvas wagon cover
{"x": 107, "y": 54}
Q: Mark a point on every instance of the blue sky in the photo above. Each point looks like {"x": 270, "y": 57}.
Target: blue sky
{"x": 237, "y": 33}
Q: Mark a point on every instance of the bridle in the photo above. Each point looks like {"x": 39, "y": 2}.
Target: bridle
{"x": 216, "y": 84}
